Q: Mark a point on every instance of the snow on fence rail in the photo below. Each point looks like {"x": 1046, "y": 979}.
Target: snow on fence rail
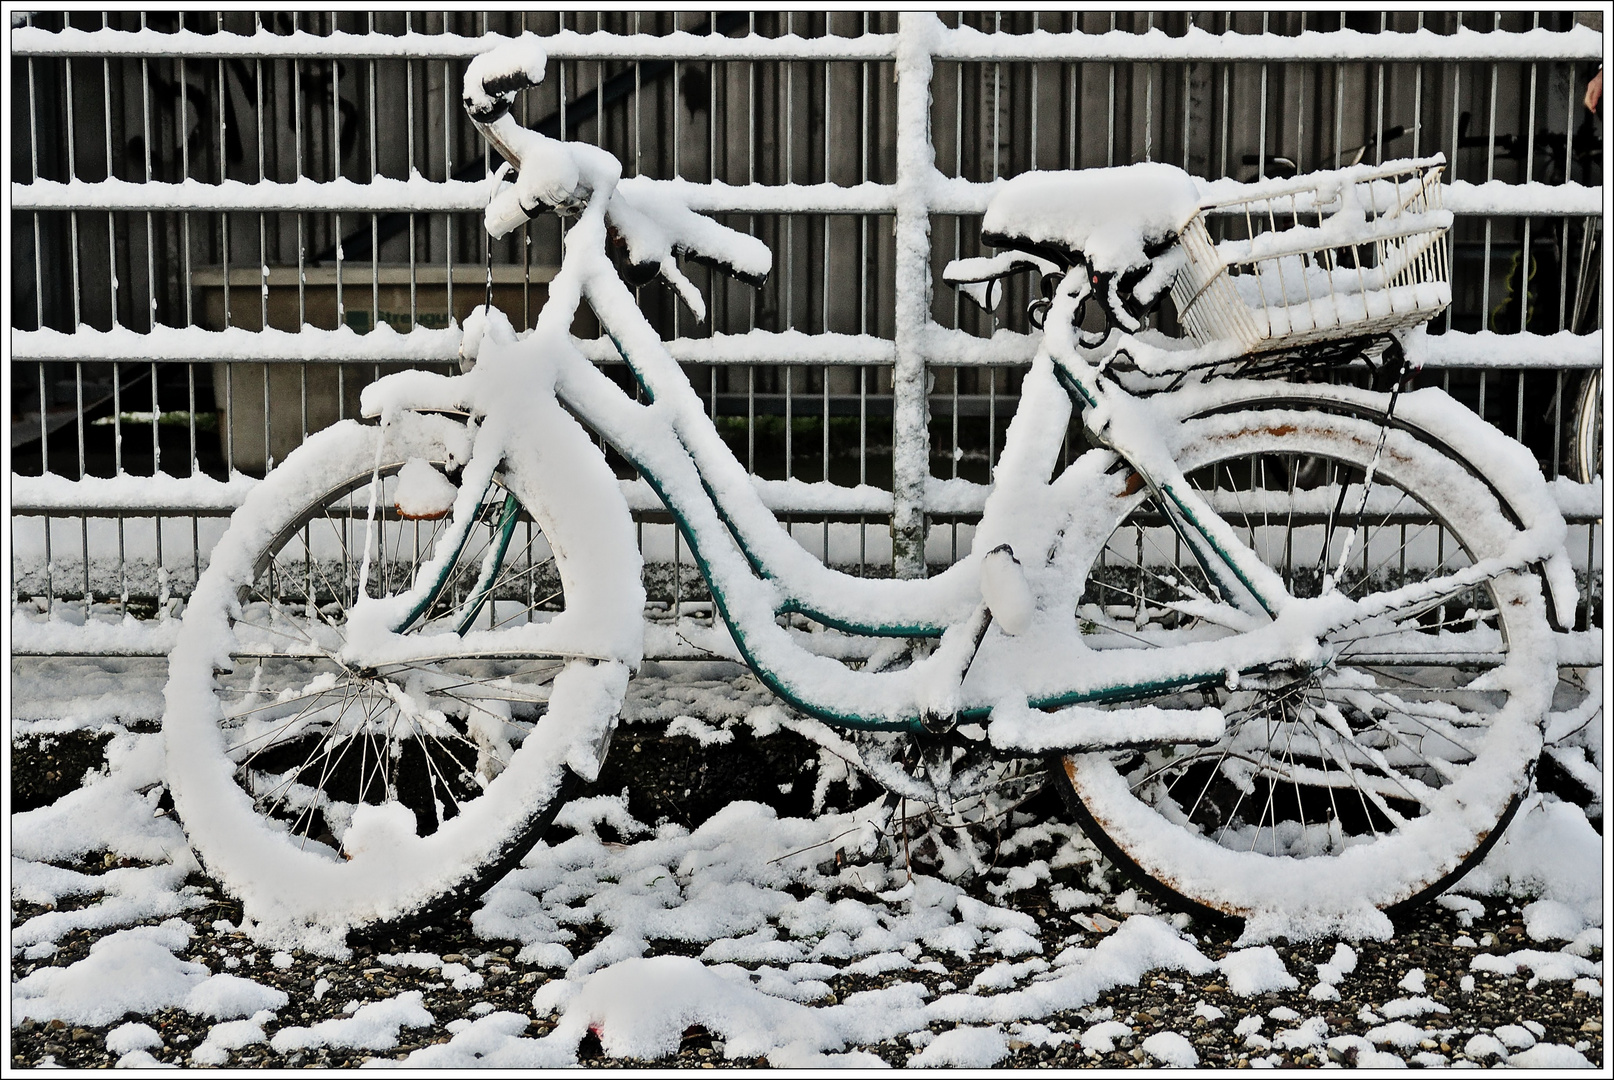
{"x": 419, "y": 195}
{"x": 946, "y": 43}
{"x": 860, "y": 146}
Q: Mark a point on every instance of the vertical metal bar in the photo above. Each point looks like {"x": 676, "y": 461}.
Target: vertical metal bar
{"x": 185, "y": 245}
{"x": 448, "y": 173}
{"x": 151, "y": 271}
{"x": 1071, "y": 96}
{"x": 39, "y": 262}
{"x": 1529, "y": 174}
{"x": 958, "y": 240}
{"x": 375, "y": 231}
{"x": 1227, "y": 93}
{"x": 117, "y": 411}
{"x": 997, "y": 101}
{"x": 789, "y": 220}
{"x": 823, "y": 280}
{"x": 263, "y": 253}
{"x": 1187, "y": 83}
{"x": 183, "y": 134}
{"x": 336, "y": 174}
{"x": 915, "y": 161}
{"x": 677, "y": 68}
{"x": 1148, "y": 102}
{"x": 302, "y": 237}
{"x": 409, "y": 144}
{"x": 1299, "y": 156}
{"x": 1417, "y": 97}
{"x": 1339, "y": 115}
{"x": 44, "y": 454}
{"x": 1378, "y": 138}
{"x": 71, "y": 138}
{"x": 111, "y": 224}
{"x": 825, "y": 461}
{"x": 711, "y": 106}
{"x": 526, "y": 227}
{"x": 1109, "y": 146}
{"x": 1490, "y": 174}
{"x": 112, "y": 296}
{"x": 863, "y": 313}
{"x": 224, "y": 248}
{"x": 1261, "y": 127}
{"x": 297, "y": 103}
{"x": 638, "y": 87}
{"x": 1451, "y": 166}
{"x": 1035, "y": 71}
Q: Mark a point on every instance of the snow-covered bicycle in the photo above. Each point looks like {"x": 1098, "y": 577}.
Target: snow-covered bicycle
{"x": 1286, "y": 643}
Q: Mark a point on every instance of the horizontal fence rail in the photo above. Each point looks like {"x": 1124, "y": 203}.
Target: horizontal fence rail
{"x": 227, "y": 224}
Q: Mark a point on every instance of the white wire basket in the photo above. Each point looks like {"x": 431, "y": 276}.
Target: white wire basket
{"x": 1354, "y": 253}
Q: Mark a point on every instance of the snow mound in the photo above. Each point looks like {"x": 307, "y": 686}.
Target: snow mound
{"x": 225, "y": 997}
{"x": 1256, "y": 971}
{"x": 1171, "y": 1049}
{"x": 1545, "y": 853}
{"x": 642, "y": 1007}
{"x": 963, "y": 1048}
{"x": 373, "y": 1027}
{"x": 1550, "y": 1056}
{"x": 127, "y": 1038}
{"x": 127, "y": 971}
{"x": 98, "y": 817}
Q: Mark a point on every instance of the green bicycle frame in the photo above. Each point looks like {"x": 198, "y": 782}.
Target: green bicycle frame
{"x": 492, "y": 562}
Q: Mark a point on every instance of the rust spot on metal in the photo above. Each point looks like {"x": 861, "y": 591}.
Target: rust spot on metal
{"x": 1156, "y": 872}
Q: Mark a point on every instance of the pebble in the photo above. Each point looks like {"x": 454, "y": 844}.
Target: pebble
{"x": 1163, "y": 1002}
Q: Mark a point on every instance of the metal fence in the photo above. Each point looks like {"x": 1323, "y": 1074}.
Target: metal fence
{"x": 213, "y": 214}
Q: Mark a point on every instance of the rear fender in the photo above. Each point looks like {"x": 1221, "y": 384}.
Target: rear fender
{"x": 1436, "y": 418}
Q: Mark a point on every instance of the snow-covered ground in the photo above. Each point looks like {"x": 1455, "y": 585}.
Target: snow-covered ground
{"x": 741, "y": 937}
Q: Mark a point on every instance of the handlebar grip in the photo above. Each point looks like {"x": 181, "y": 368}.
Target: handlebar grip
{"x": 505, "y": 213}
{"x": 494, "y": 78}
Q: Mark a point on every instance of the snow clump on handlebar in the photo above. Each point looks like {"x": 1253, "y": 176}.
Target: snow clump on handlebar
{"x": 494, "y": 78}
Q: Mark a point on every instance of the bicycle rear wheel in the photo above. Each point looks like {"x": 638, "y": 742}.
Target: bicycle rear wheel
{"x": 1373, "y": 782}
{"x": 329, "y": 796}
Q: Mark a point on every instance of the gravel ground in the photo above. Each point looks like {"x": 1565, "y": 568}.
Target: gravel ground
{"x": 675, "y": 778}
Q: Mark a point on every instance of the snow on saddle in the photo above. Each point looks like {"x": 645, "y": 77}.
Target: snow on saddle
{"x": 1115, "y": 219}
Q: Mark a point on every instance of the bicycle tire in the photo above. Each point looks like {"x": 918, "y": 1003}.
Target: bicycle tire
{"x": 1586, "y": 432}
{"x": 1441, "y": 743}
{"x": 330, "y": 798}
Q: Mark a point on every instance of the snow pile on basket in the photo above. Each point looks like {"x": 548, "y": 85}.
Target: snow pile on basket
{"x": 1343, "y": 254}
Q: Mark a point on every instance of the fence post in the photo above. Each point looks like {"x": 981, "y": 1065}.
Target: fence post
{"x": 916, "y": 164}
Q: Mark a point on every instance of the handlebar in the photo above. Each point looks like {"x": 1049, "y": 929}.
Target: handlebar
{"x": 652, "y": 219}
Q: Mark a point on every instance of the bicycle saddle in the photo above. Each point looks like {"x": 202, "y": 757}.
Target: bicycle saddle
{"x": 1112, "y": 220}
{"x": 1117, "y": 222}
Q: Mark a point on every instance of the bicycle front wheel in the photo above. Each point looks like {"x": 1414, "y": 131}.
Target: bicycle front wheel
{"x": 330, "y": 796}
{"x": 1373, "y": 782}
